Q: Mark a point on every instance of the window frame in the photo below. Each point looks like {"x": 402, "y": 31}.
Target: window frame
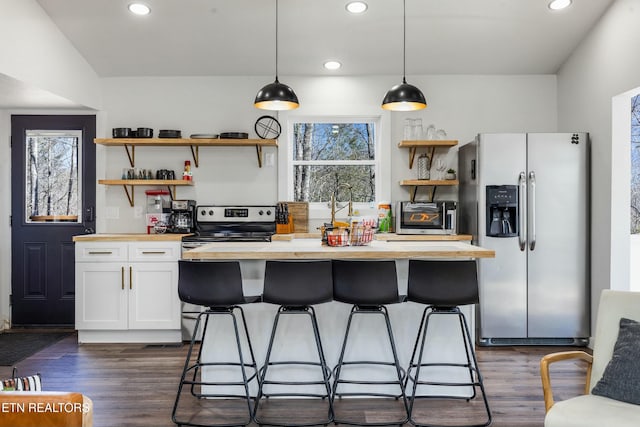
{"x": 317, "y": 210}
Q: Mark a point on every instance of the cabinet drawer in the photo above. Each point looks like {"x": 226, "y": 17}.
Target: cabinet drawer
{"x": 154, "y": 251}
{"x": 101, "y": 252}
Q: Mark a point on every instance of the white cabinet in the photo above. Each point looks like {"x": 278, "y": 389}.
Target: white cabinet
{"x": 127, "y": 292}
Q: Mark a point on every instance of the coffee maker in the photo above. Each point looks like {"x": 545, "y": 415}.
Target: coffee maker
{"x": 183, "y": 216}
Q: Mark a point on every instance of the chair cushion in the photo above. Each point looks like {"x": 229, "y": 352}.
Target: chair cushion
{"x": 590, "y": 410}
{"x": 621, "y": 377}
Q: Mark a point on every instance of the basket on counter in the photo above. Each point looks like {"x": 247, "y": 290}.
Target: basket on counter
{"x": 354, "y": 236}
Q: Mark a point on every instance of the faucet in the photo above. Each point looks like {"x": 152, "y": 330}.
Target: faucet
{"x": 335, "y": 208}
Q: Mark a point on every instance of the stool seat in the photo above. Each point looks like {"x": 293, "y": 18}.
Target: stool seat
{"x": 217, "y": 286}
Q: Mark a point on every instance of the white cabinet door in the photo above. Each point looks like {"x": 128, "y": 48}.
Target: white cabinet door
{"x": 101, "y": 295}
{"x": 153, "y": 296}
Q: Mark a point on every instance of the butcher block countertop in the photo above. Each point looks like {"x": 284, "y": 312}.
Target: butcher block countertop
{"x": 382, "y": 236}
{"x": 313, "y": 249}
{"x": 129, "y": 237}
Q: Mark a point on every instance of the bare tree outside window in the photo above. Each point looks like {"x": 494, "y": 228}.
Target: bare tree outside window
{"x": 52, "y": 176}
{"x": 331, "y": 156}
{"x": 635, "y": 164}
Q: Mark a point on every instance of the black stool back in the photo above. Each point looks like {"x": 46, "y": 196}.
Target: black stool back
{"x": 365, "y": 282}
{"x": 297, "y": 283}
{"x": 218, "y": 286}
{"x": 443, "y": 286}
{"x": 210, "y": 283}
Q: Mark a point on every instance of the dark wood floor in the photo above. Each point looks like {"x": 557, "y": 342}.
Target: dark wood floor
{"x": 135, "y": 385}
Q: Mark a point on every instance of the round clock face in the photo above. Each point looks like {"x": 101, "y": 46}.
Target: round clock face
{"x": 267, "y": 127}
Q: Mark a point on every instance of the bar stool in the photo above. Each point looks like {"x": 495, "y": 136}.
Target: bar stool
{"x": 296, "y": 286}
{"x": 368, "y": 286}
{"x": 444, "y": 285}
{"x": 217, "y": 286}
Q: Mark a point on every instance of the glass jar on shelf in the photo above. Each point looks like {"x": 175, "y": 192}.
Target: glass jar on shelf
{"x": 423, "y": 167}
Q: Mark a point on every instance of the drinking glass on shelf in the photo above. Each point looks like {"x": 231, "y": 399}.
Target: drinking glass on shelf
{"x": 441, "y": 134}
{"x": 416, "y": 132}
{"x": 441, "y": 167}
{"x": 408, "y": 128}
{"x": 430, "y": 133}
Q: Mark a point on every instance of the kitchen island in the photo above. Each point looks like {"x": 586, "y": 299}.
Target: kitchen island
{"x": 295, "y": 343}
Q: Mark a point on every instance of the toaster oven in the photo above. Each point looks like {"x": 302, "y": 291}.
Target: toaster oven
{"x": 426, "y": 217}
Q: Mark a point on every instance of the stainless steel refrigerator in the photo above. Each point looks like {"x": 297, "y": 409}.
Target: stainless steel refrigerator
{"x": 526, "y": 196}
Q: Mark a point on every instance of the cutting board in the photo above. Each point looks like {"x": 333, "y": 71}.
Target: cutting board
{"x": 300, "y": 213}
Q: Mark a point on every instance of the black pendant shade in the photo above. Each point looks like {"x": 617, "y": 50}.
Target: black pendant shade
{"x": 276, "y": 96}
{"x": 404, "y": 97}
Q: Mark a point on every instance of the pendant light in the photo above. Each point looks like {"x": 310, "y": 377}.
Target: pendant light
{"x": 404, "y": 97}
{"x": 276, "y": 95}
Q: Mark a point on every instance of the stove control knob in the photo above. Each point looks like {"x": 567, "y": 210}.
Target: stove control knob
{"x": 268, "y": 212}
{"x": 211, "y": 212}
{"x": 260, "y": 212}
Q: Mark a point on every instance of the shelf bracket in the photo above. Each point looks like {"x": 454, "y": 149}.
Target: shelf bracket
{"x": 130, "y": 195}
{"x": 259, "y": 153}
{"x": 131, "y": 155}
{"x": 412, "y": 156}
{"x": 414, "y": 190}
{"x": 172, "y": 191}
{"x": 196, "y": 155}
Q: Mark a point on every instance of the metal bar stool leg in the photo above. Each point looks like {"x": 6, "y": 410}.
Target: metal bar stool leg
{"x": 242, "y": 365}
{"x": 382, "y": 310}
{"x": 471, "y": 365}
{"x": 322, "y": 364}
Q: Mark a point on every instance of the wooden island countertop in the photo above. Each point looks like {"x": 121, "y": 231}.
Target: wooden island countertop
{"x": 313, "y": 249}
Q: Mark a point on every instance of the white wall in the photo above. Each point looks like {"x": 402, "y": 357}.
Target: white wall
{"x": 462, "y": 105}
{"x": 604, "y": 65}
{"x": 35, "y": 52}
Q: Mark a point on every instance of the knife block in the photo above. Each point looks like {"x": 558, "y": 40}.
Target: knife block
{"x": 285, "y": 228}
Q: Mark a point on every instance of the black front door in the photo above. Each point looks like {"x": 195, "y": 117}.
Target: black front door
{"x": 53, "y": 176}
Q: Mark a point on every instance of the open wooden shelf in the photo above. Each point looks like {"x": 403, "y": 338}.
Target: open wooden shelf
{"x": 130, "y": 144}
{"x": 430, "y": 144}
{"x": 128, "y": 185}
{"x": 433, "y": 183}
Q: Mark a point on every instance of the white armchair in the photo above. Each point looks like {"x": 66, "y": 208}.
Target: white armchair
{"x": 591, "y": 410}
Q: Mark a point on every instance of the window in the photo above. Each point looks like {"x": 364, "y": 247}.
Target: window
{"x": 52, "y": 190}
{"x": 334, "y": 156}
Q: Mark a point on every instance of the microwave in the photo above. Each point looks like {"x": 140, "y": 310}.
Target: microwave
{"x": 426, "y": 217}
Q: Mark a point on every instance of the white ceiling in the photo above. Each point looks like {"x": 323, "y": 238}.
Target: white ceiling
{"x": 237, "y": 37}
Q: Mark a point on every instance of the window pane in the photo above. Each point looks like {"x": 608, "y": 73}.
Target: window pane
{"x": 317, "y": 183}
{"x": 333, "y": 141}
{"x": 52, "y": 192}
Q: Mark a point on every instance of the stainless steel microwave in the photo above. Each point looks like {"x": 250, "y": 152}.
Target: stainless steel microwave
{"x": 426, "y": 217}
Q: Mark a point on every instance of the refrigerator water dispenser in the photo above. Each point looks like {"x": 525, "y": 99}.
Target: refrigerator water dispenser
{"x": 502, "y": 210}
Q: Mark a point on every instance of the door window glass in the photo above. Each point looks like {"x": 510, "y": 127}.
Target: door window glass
{"x": 52, "y": 169}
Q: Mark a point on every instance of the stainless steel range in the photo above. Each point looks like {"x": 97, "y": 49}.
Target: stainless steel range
{"x": 231, "y": 224}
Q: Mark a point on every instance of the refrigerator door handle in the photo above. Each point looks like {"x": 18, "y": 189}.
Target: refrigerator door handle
{"x": 522, "y": 235}
{"x": 532, "y": 210}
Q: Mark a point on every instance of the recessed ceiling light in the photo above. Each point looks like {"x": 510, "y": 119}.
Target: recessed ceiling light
{"x": 356, "y": 7}
{"x": 139, "y": 9}
{"x": 559, "y": 4}
{"x": 332, "y": 65}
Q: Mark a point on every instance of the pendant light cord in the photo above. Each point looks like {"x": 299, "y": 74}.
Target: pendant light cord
{"x": 404, "y": 41}
{"x": 276, "y": 40}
